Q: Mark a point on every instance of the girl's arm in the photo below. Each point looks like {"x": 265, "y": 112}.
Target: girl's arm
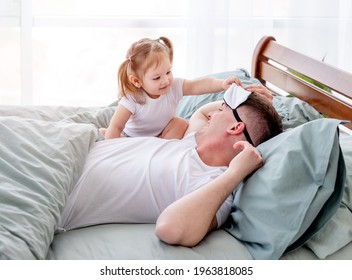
{"x": 208, "y": 85}
{"x": 117, "y": 122}
{"x": 186, "y": 221}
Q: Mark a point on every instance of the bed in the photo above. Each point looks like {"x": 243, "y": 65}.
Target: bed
{"x": 298, "y": 206}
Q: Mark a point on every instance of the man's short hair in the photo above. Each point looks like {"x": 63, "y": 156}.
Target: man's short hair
{"x": 262, "y": 120}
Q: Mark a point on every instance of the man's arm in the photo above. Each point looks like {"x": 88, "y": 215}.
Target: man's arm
{"x": 260, "y": 89}
{"x": 189, "y": 219}
{"x": 201, "y": 117}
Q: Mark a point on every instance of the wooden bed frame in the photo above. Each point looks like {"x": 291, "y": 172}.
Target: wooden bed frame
{"x": 326, "y": 88}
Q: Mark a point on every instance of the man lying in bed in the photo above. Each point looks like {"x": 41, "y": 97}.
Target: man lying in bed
{"x": 184, "y": 186}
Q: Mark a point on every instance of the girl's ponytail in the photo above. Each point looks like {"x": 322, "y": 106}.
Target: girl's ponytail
{"x": 167, "y": 43}
{"x": 124, "y": 82}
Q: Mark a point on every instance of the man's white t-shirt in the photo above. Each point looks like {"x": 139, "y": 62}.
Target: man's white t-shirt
{"x": 132, "y": 180}
{"x": 151, "y": 118}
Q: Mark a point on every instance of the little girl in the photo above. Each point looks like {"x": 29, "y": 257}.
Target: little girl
{"x": 149, "y": 94}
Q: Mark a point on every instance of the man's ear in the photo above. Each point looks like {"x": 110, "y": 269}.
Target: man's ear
{"x": 134, "y": 80}
{"x": 236, "y": 128}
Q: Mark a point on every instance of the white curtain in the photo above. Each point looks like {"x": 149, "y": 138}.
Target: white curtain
{"x": 230, "y": 29}
{"x": 67, "y": 51}
{"x": 344, "y": 36}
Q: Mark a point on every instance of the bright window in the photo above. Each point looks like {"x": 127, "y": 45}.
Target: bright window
{"x": 66, "y": 52}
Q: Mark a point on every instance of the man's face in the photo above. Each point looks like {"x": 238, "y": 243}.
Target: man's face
{"x": 220, "y": 118}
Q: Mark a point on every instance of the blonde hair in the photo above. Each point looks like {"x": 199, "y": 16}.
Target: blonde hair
{"x": 142, "y": 55}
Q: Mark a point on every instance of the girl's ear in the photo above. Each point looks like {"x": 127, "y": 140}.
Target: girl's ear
{"x": 134, "y": 80}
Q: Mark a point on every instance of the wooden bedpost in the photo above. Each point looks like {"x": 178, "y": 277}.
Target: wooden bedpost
{"x": 256, "y": 54}
{"x": 325, "y": 87}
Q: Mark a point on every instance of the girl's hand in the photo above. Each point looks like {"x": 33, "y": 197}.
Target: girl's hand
{"x": 260, "y": 89}
{"x": 247, "y": 160}
{"x": 229, "y": 81}
{"x": 102, "y": 131}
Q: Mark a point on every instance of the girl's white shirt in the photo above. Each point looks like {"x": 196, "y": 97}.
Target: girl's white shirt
{"x": 151, "y": 118}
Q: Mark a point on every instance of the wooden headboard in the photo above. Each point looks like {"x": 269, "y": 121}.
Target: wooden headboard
{"x": 326, "y": 88}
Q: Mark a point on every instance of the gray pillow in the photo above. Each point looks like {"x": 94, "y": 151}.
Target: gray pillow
{"x": 40, "y": 163}
{"x": 293, "y": 111}
{"x": 337, "y": 233}
{"x": 100, "y": 116}
{"x": 294, "y": 194}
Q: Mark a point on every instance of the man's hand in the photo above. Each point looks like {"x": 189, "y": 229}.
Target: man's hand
{"x": 247, "y": 160}
{"x": 260, "y": 89}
